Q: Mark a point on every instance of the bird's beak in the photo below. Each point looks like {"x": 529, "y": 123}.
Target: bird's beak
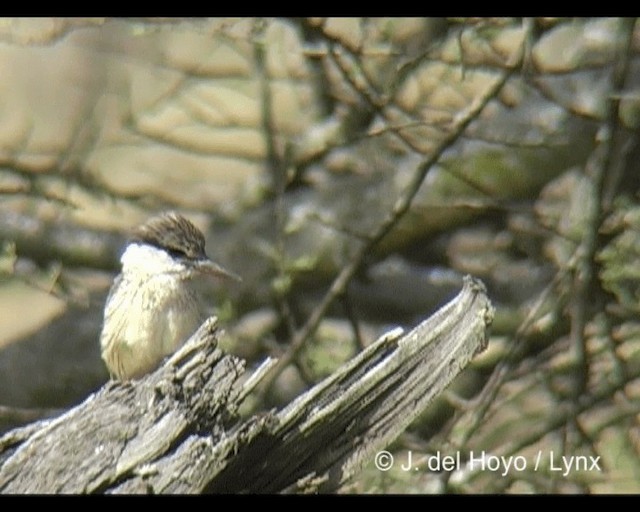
{"x": 209, "y": 267}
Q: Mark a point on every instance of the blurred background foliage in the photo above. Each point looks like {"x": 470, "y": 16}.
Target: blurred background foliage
{"x": 352, "y": 171}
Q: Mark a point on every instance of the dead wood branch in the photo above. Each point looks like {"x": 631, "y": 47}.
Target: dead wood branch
{"x": 178, "y": 431}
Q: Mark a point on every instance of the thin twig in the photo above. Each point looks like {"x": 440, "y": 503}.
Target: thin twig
{"x": 596, "y": 169}
{"x": 353, "y": 320}
{"x": 399, "y": 209}
{"x": 276, "y": 167}
{"x": 504, "y": 370}
{"x": 379, "y": 104}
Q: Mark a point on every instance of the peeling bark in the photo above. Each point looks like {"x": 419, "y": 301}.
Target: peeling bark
{"x": 177, "y": 430}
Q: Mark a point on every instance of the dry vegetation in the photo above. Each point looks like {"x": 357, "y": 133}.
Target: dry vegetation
{"x": 351, "y": 171}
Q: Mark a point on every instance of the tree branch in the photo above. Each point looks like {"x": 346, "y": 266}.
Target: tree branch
{"x": 177, "y": 430}
{"x": 399, "y": 209}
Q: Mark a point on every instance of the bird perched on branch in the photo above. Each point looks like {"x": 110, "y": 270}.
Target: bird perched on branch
{"x": 152, "y": 307}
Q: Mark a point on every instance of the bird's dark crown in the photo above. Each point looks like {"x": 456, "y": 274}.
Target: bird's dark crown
{"x": 173, "y": 233}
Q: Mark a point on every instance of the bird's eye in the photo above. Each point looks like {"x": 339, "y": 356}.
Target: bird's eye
{"x": 177, "y": 253}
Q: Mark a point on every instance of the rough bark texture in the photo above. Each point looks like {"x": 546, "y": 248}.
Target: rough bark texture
{"x": 177, "y": 430}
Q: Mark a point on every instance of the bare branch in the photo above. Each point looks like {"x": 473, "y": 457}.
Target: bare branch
{"x": 170, "y": 432}
{"x": 597, "y": 167}
{"x": 400, "y": 208}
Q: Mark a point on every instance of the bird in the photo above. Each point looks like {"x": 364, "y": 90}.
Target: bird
{"x": 152, "y": 307}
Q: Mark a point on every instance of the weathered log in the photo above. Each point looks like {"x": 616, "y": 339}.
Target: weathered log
{"x": 178, "y": 430}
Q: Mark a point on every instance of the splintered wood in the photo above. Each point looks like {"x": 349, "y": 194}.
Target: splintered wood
{"x": 177, "y": 430}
